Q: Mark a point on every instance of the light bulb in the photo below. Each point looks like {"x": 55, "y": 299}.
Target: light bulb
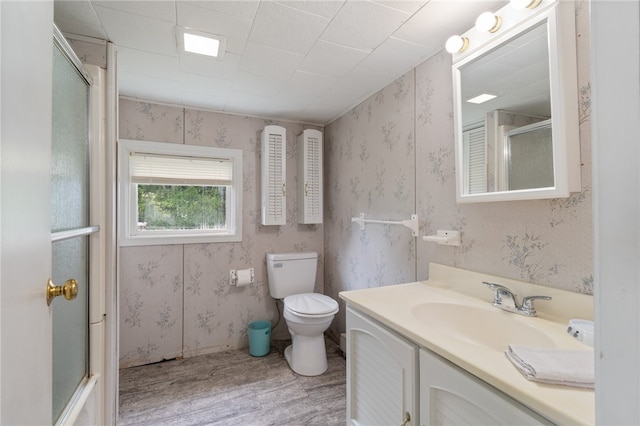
{"x": 488, "y": 22}
{"x": 456, "y": 44}
{"x": 524, "y": 4}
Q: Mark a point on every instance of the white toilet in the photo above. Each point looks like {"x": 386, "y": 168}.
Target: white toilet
{"x": 292, "y": 277}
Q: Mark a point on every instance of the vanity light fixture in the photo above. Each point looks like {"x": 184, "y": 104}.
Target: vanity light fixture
{"x": 488, "y": 22}
{"x": 201, "y": 43}
{"x": 480, "y": 99}
{"x": 524, "y": 4}
{"x": 456, "y": 44}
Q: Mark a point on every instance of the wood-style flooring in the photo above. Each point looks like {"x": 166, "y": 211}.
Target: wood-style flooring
{"x": 233, "y": 388}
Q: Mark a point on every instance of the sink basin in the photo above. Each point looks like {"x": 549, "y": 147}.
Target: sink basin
{"x": 490, "y": 328}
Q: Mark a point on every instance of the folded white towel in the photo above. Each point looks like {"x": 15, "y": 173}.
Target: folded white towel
{"x": 554, "y": 366}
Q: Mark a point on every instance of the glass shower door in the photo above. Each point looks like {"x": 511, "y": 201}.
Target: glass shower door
{"x": 70, "y": 228}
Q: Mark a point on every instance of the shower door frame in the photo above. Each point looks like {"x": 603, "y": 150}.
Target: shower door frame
{"x": 90, "y": 403}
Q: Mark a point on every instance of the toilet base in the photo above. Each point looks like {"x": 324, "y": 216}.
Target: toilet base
{"x": 307, "y": 356}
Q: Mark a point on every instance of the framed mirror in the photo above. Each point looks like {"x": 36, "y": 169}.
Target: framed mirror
{"x": 516, "y": 108}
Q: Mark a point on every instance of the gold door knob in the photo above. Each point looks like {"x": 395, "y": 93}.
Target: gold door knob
{"x": 406, "y": 419}
{"x": 69, "y": 290}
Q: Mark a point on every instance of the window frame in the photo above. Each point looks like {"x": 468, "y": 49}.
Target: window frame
{"x": 128, "y": 234}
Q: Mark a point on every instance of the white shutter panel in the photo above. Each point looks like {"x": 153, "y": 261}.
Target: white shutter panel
{"x": 310, "y": 176}
{"x": 475, "y": 161}
{"x": 274, "y": 176}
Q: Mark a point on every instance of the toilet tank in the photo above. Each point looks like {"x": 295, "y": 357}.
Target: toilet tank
{"x": 291, "y": 273}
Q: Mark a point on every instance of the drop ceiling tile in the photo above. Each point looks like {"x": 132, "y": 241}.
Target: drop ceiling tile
{"x": 245, "y": 9}
{"x": 76, "y": 10}
{"x": 332, "y": 59}
{"x": 411, "y": 6}
{"x": 150, "y": 64}
{"x": 289, "y": 104}
{"x": 247, "y": 83}
{"x": 269, "y": 62}
{"x": 210, "y": 67}
{"x": 249, "y": 104}
{"x": 77, "y": 17}
{"x": 363, "y": 24}
{"x": 235, "y": 29}
{"x": 358, "y": 85}
{"x": 286, "y": 28}
{"x": 310, "y": 84}
{"x": 318, "y": 85}
{"x": 203, "y": 101}
{"x": 326, "y": 8}
{"x": 80, "y": 28}
{"x": 395, "y": 56}
{"x": 319, "y": 114}
{"x": 151, "y": 89}
{"x": 138, "y": 32}
{"x": 164, "y": 10}
{"x": 206, "y": 85}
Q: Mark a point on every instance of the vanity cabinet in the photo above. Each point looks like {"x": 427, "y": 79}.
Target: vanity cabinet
{"x": 382, "y": 374}
{"x": 390, "y": 379}
{"x": 451, "y": 396}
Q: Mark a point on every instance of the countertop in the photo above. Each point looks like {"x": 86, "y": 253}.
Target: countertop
{"x": 392, "y": 306}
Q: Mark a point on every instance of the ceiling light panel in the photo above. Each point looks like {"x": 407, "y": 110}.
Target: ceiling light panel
{"x": 201, "y": 43}
{"x": 480, "y": 99}
{"x": 236, "y": 30}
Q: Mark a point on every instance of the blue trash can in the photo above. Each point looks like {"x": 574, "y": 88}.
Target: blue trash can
{"x": 259, "y": 338}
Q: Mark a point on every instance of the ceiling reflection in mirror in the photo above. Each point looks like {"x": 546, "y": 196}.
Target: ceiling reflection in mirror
{"x": 517, "y": 73}
{"x": 507, "y": 135}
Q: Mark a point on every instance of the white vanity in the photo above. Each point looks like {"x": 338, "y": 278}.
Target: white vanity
{"x": 432, "y": 352}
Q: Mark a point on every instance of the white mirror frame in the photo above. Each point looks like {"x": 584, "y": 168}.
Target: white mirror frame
{"x": 560, "y": 17}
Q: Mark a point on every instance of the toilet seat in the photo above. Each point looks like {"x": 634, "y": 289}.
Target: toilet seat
{"x": 311, "y": 305}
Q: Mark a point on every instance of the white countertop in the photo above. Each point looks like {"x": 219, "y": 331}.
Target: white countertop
{"x": 392, "y": 306}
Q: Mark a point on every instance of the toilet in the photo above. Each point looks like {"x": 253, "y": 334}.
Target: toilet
{"x": 292, "y": 277}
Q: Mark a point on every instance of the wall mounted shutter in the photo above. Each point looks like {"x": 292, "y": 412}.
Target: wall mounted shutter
{"x": 475, "y": 156}
{"x": 274, "y": 175}
{"x": 310, "y": 176}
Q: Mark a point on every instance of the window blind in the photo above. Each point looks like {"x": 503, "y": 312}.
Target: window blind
{"x": 177, "y": 170}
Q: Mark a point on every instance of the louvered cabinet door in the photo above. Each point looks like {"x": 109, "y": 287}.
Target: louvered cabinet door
{"x": 273, "y": 150}
{"x": 475, "y": 157}
{"x": 382, "y": 374}
{"x": 451, "y": 396}
{"x": 310, "y": 177}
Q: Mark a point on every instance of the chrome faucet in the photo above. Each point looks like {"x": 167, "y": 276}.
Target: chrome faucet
{"x": 506, "y": 300}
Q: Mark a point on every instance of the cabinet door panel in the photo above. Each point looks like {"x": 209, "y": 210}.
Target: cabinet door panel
{"x": 451, "y": 396}
{"x": 381, "y": 374}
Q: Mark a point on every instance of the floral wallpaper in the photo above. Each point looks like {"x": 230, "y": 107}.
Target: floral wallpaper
{"x": 175, "y": 300}
{"x": 389, "y": 157}
{"x": 393, "y": 155}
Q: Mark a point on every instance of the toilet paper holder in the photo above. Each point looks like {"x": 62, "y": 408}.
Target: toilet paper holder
{"x": 241, "y": 277}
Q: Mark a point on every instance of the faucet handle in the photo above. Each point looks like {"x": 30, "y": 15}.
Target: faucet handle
{"x": 500, "y": 291}
{"x": 527, "y": 304}
{"x": 494, "y": 286}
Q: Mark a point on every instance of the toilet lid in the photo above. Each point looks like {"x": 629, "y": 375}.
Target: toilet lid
{"x": 311, "y": 304}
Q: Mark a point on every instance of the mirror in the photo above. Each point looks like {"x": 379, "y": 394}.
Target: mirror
{"x": 521, "y": 142}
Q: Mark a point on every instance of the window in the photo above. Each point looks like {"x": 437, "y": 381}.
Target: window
{"x": 171, "y": 193}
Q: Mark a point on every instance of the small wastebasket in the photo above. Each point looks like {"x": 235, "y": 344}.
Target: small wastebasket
{"x": 259, "y": 338}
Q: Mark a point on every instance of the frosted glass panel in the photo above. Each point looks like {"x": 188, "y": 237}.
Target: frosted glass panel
{"x": 69, "y": 211}
{"x": 531, "y": 159}
{"x": 69, "y": 155}
{"x": 70, "y": 320}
